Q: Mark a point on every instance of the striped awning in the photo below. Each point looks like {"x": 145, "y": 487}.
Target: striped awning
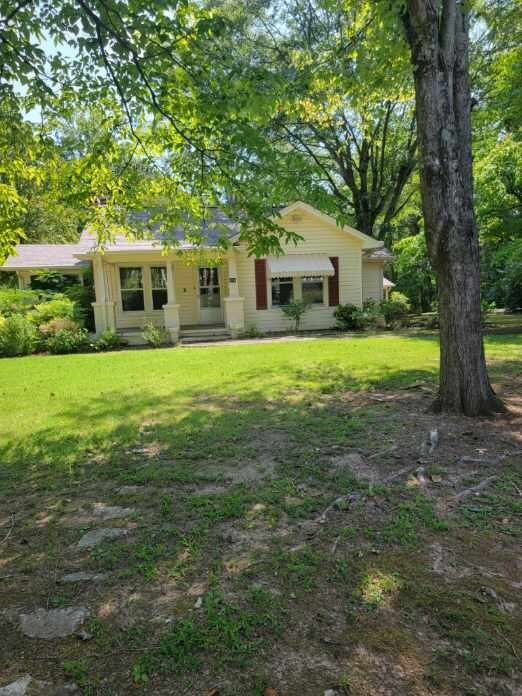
{"x": 298, "y": 265}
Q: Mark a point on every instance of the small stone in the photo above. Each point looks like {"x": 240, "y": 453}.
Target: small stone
{"x": 111, "y": 512}
{"x": 331, "y": 692}
{"x": 54, "y": 623}
{"x": 130, "y": 490}
{"x": 198, "y": 603}
{"x": 83, "y": 577}
{"x": 84, "y": 635}
{"x": 16, "y": 688}
{"x": 96, "y": 536}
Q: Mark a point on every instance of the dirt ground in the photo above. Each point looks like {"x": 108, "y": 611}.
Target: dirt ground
{"x": 386, "y": 565}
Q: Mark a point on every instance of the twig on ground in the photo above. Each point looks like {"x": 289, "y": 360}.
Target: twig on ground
{"x": 381, "y": 452}
{"x": 475, "y": 489}
{"x": 507, "y": 641}
{"x": 10, "y": 530}
{"x": 335, "y": 545}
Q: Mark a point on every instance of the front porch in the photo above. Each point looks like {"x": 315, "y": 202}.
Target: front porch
{"x": 188, "y": 299}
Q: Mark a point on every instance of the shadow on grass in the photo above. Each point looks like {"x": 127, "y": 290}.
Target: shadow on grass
{"x": 127, "y": 436}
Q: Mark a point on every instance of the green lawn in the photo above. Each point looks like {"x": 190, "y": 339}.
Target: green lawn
{"x": 275, "y": 482}
{"x": 57, "y": 409}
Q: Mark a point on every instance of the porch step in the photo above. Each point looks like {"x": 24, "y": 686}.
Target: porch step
{"x": 208, "y": 334}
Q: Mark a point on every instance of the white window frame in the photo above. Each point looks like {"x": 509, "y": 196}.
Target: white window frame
{"x": 147, "y": 288}
{"x": 296, "y": 288}
{"x": 323, "y": 279}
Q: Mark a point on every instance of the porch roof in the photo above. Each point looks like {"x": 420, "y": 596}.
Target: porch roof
{"x": 298, "y": 265}
{"x": 30, "y": 256}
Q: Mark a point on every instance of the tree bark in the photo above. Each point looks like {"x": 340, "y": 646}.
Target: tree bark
{"x": 437, "y": 32}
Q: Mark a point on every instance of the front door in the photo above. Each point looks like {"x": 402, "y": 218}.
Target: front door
{"x": 210, "y": 310}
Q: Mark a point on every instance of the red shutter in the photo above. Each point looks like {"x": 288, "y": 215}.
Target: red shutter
{"x": 333, "y": 283}
{"x": 260, "y": 269}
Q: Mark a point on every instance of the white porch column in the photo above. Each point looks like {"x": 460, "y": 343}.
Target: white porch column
{"x": 104, "y": 309}
{"x": 234, "y": 305}
{"x": 171, "y": 309}
{"x": 24, "y": 279}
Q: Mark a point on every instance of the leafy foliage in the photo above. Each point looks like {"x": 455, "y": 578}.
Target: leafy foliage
{"x": 18, "y": 336}
{"x": 15, "y": 301}
{"x": 59, "y": 307}
{"x": 295, "y": 311}
{"x": 155, "y": 336}
{"x": 67, "y": 341}
{"x": 108, "y": 340}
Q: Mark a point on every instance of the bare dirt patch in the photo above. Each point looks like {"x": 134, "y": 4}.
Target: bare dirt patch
{"x": 340, "y": 559}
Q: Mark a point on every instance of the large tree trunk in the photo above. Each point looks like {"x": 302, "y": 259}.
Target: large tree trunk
{"x": 437, "y": 31}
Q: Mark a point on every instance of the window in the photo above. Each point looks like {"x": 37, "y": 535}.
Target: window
{"x": 282, "y": 291}
{"x": 158, "y": 283}
{"x": 209, "y": 288}
{"x": 131, "y": 282}
{"x": 312, "y": 290}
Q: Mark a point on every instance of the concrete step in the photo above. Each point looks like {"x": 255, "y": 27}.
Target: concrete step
{"x": 204, "y": 331}
{"x": 205, "y": 338}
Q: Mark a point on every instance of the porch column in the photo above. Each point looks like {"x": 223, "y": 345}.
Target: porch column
{"x": 234, "y": 304}
{"x": 24, "y": 279}
{"x": 171, "y": 309}
{"x": 104, "y": 309}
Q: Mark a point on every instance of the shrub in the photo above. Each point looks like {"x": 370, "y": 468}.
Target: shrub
{"x": 396, "y": 308}
{"x": 294, "y": 311}
{"x": 57, "y": 325}
{"x": 18, "y": 336}
{"x": 155, "y": 336}
{"x": 251, "y": 332}
{"x": 349, "y": 317}
{"x": 67, "y": 341}
{"x": 108, "y": 340}
{"x": 14, "y": 301}
{"x": 59, "y": 307}
{"x": 83, "y": 297}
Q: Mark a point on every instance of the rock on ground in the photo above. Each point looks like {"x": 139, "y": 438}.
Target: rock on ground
{"x": 53, "y": 623}
{"x": 96, "y": 536}
{"x": 16, "y": 688}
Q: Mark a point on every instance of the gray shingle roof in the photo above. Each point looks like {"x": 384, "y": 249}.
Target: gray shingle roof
{"x": 44, "y": 256}
{"x": 216, "y": 226}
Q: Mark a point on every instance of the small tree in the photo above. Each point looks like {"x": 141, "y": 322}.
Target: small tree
{"x": 294, "y": 311}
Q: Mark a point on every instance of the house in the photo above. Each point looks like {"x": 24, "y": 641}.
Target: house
{"x": 214, "y": 291}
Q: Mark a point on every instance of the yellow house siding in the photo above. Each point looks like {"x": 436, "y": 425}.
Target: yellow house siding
{"x": 372, "y": 281}
{"x": 318, "y": 238}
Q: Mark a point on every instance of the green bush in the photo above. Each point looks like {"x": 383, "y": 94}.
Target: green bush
{"x": 396, "y": 308}
{"x": 349, "y": 317}
{"x": 294, "y": 311}
{"x": 108, "y": 340}
{"x": 59, "y": 307}
{"x": 155, "y": 336}
{"x": 14, "y": 301}
{"x": 18, "y": 336}
{"x": 83, "y": 297}
{"x": 67, "y": 341}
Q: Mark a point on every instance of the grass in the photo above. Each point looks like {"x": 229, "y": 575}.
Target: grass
{"x": 60, "y": 412}
{"x": 228, "y": 456}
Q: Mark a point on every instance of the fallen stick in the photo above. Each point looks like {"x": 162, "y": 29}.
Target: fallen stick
{"x": 6, "y": 537}
{"x": 475, "y": 489}
{"x": 381, "y": 452}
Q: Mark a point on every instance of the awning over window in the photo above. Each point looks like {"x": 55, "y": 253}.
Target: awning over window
{"x": 298, "y": 265}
